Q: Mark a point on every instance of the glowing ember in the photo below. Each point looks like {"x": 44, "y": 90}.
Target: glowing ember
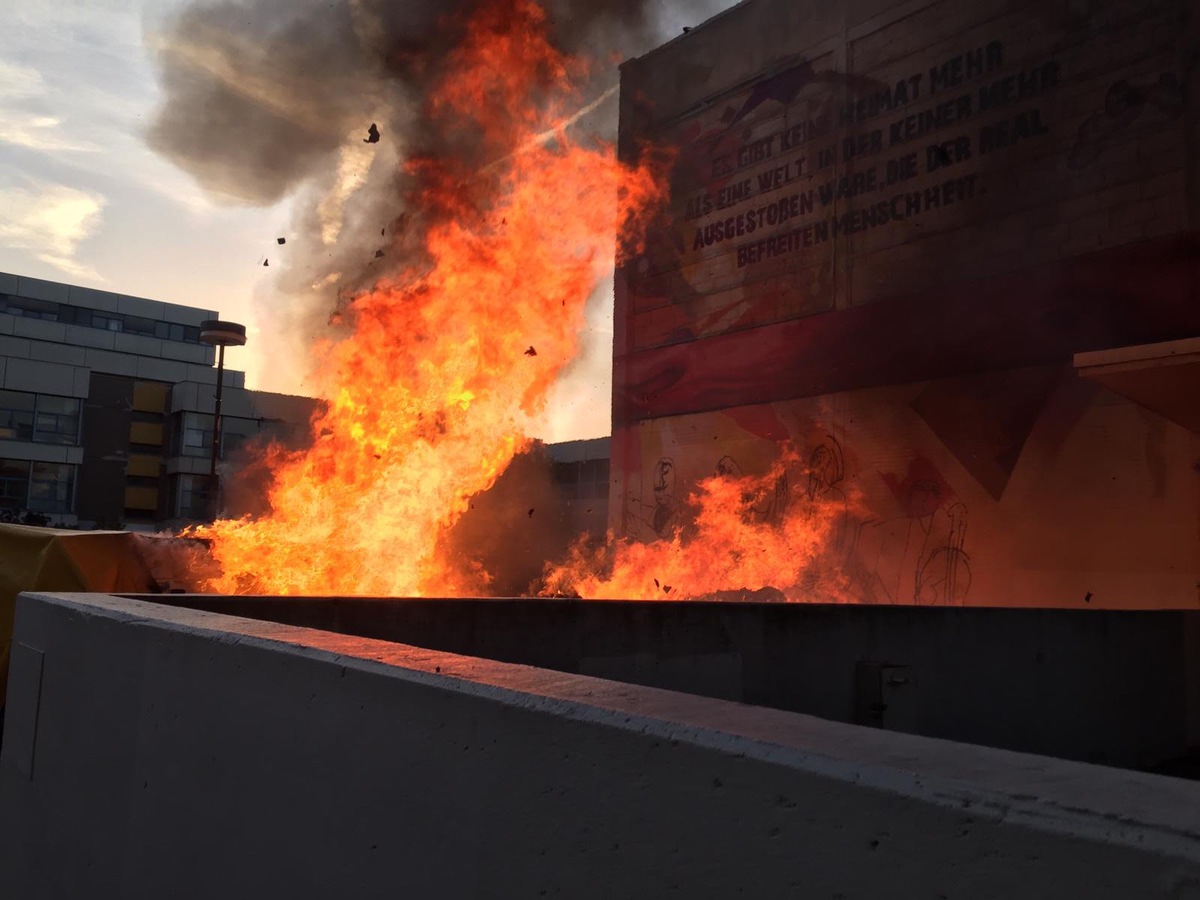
{"x": 428, "y": 394}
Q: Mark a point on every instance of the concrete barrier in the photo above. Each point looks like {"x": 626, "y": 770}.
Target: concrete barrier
{"x": 153, "y": 751}
{"x": 1114, "y": 687}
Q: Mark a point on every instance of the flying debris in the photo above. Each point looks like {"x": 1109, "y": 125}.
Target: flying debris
{"x": 372, "y": 135}
{"x": 281, "y": 241}
{"x": 266, "y": 262}
{"x": 531, "y": 352}
{"x": 531, "y": 513}
{"x": 379, "y": 254}
{"x": 382, "y": 231}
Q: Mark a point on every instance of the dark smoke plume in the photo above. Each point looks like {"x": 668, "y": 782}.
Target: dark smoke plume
{"x": 265, "y": 100}
{"x": 260, "y": 94}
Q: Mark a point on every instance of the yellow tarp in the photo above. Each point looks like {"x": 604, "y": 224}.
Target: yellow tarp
{"x": 48, "y": 559}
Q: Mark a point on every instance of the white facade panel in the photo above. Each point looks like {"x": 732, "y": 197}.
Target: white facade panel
{"x": 40, "y": 377}
{"x": 184, "y": 396}
{"x": 105, "y": 301}
{"x": 186, "y": 315}
{"x": 14, "y": 346}
{"x": 189, "y": 353}
{"x": 83, "y": 336}
{"x": 38, "y": 289}
{"x": 83, "y": 382}
{"x": 57, "y": 353}
{"x": 111, "y": 363}
{"x": 39, "y": 452}
{"x": 138, "y": 344}
{"x": 160, "y": 369}
{"x": 204, "y": 375}
{"x": 188, "y": 465}
{"x": 140, "y": 306}
{"x": 40, "y": 329}
{"x": 234, "y": 378}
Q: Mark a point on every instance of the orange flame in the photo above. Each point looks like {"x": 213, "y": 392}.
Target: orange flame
{"x": 746, "y": 534}
{"x": 428, "y": 395}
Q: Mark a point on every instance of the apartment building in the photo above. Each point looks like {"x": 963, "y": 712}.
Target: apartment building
{"x": 106, "y": 407}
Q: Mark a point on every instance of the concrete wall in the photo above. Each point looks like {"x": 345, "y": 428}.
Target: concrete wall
{"x": 154, "y": 752}
{"x": 1120, "y": 688}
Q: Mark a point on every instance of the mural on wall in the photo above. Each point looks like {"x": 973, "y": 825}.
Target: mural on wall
{"x": 1164, "y": 98}
{"x": 858, "y": 313}
{"x": 917, "y": 556}
{"x": 1003, "y": 510}
{"x": 769, "y": 180}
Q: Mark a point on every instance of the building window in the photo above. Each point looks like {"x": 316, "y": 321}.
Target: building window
{"x": 57, "y": 420}
{"x": 39, "y": 417}
{"x": 52, "y": 487}
{"x": 38, "y": 486}
{"x": 16, "y": 415}
{"x": 193, "y": 496}
{"x": 14, "y": 483}
{"x": 108, "y": 323}
{"x": 197, "y": 434}
{"x": 139, "y": 325}
{"x": 28, "y": 308}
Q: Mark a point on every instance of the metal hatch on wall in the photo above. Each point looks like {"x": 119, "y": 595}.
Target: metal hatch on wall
{"x": 1164, "y": 378}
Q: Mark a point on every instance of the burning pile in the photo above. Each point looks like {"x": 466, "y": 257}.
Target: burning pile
{"x": 509, "y": 226}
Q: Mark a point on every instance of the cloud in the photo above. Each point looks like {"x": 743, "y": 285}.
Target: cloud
{"x": 49, "y": 221}
{"x": 34, "y": 132}
{"x": 22, "y": 124}
{"x": 20, "y": 82}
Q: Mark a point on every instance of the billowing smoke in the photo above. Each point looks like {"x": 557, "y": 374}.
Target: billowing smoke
{"x": 265, "y": 100}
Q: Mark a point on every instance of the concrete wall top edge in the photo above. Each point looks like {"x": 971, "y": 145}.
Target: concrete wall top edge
{"x": 1112, "y": 806}
{"x": 898, "y": 609}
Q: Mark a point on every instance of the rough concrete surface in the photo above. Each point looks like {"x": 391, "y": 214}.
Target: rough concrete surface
{"x": 186, "y": 754}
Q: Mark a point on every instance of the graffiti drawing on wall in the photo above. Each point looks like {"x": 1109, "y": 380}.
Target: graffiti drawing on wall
{"x": 666, "y": 504}
{"x": 1125, "y": 104}
{"x": 917, "y": 556}
{"x": 765, "y": 506}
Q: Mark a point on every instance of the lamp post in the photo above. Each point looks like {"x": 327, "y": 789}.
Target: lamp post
{"x": 220, "y": 335}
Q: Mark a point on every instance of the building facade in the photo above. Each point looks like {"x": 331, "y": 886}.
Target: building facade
{"x": 106, "y": 407}
{"x": 947, "y": 251}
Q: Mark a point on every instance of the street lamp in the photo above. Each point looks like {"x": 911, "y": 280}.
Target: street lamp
{"x": 220, "y": 335}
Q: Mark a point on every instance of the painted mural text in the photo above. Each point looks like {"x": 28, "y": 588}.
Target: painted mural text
{"x": 896, "y": 208}
{"x": 972, "y": 108}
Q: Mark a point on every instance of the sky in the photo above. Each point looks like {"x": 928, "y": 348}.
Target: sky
{"x": 84, "y": 200}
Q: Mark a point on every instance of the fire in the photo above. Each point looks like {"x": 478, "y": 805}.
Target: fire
{"x": 444, "y": 362}
{"x": 744, "y": 534}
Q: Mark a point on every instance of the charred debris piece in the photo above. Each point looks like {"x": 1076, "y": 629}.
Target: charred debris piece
{"x": 372, "y": 135}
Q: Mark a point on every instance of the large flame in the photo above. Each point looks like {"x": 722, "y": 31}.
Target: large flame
{"x": 741, "y": 534}
{"x": 445, "y": 362}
